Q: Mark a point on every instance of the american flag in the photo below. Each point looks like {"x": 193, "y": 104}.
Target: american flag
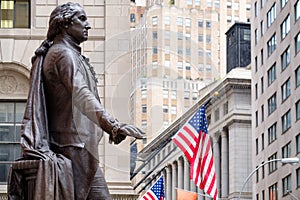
{"x": 193, "y": 140}
{"x": 156, "y": 192}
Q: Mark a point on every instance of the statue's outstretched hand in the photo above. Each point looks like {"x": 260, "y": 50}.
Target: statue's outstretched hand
{"x": 126, "y": 130}
{"x": 131, "y": 130}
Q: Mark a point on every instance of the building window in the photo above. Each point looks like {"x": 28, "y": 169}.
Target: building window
{"x": 188, "y": 36}
{"x": 255, "y": 63}
{"x": 179, "y": 65}
{"x": 286, "y": 90}
{"x": 262, "y": 56}
{"x": 179, "y": 21}
{"x": 272, "y": 74}
{"x": 165, "y": 94}
{"x": 262, "y": 85}
{"x": 167, "y": 20}
{"x": 257, "y": 175}
{"x": 200, "y": 38}
{"x": 297, "y": 76}
{"x": 262, "y": 30}
{"x": 186, "y": 94}
{"x": 173, "y": 110}
{"x": 298, "y": 110}
{"x": 144, "y": 123}
{"x": 262, "y": 141}
{"x": 144, "y": 108}
{"x": 262, "y": 113}
{"x": 256, "y": 145}
{"x": 165, "y": 108}
{"x": 256, "y": 91}
{"x": 256, "y": 118}
{"x": 188, "y": 51}
{"x": 11, "y": 115}
{"x": 200, "y": 23}
{"x": 225, "y": 108}
{"x": 173, "y": 94}
{"x": 271, "y": 15}
{"x": 144, "y": 94}
{"x": 286, "y": 184}
{"x": 217, "y": 114}
{"x": 285, "y": 58}
{"x": 298, "y": 177}
{"x": 298, "y": 143}
{"x": 283, "y": 2}
{"x": 154, "y": 64}
{"x": 179, "y": 50}
{"x": 154, "y": 20}
{"x": 154, "y": 50}
{"x": 255, "y": 9}
{"x": 272, "y": 104}
{"x": 272, "y": 165}
{"x": 262, "y": 170}
{"x": 188, "y": 22}
{"x": 271, "y": 44}
{"x": 208, "y": 24}
{"x": 285, "y": 27}
{"x": 208, "y": 38}
{"x": 297, "y": 43}
{"x": 286, "y": 121}
{"x": 297, "y": 10}
{"x": 132, "y": 17}
{"x": 15, "y": 14}
{"x": 255, "y": 36}
{"x": 167, "y": 34}
{"x": 154, "y": 34}
{"x": 272, "y": 133}
{"x": 286, "y": 150}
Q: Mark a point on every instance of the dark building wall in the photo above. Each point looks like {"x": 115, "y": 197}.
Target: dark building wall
{"x": 238, "y": 46}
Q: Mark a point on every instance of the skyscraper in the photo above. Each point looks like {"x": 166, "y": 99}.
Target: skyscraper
{"x": 275, "y": 96}
{"x": 178, "y": 48}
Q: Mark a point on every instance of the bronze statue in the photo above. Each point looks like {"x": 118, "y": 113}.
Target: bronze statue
{"x": 64, "y": 117}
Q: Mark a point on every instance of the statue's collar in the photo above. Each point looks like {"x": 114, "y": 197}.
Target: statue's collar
{"x": 66, "y": 39}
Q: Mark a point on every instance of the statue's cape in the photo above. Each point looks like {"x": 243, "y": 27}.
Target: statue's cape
{"x": 54, "y": 178}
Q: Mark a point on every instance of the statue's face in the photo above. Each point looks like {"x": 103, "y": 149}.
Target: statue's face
{"x": 78, "y": 28}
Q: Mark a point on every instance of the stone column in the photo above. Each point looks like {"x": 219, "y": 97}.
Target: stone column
{"x": 186, "y": 172}
{"x": 169, "y": 182}
{"x": 180, "y": 173}
{"x": 224, "y": 164}
{"x": 217, "y": 159}
{"x": 174, "y": 179}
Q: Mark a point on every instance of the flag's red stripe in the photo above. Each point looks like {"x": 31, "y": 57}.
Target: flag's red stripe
{"x": 150, "y": 195}
{"x": 205, "y": 179}
{"x": 211, "y": 185}
{"x": 145, "y": 198}
{"x": 182, "y": 136}
{"x": 200, "y": 162}
{"x": 205, "y": 175}
{"x": 182, "y": 149}
{"x": 190, "y": 133}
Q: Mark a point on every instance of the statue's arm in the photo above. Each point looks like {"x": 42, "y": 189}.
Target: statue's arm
{"x": 72, "y": 75}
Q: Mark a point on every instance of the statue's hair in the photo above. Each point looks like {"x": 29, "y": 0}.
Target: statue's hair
{"x": 60, "y": 17}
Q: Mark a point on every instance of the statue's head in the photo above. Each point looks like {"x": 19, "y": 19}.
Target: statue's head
{"x": 68, "y": 18}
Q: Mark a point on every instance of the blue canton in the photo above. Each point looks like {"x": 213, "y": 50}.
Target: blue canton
{"x": 198, "y": 121}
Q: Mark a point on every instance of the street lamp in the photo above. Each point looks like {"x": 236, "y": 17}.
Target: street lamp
{"x": 283, "y": 160}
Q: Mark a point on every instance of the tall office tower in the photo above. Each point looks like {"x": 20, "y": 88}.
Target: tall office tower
{"x": 178, "y": 48}
{"x": 276, "y": 97}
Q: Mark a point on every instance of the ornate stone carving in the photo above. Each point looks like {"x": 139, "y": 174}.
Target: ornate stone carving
{"x": 8, "y": 84}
